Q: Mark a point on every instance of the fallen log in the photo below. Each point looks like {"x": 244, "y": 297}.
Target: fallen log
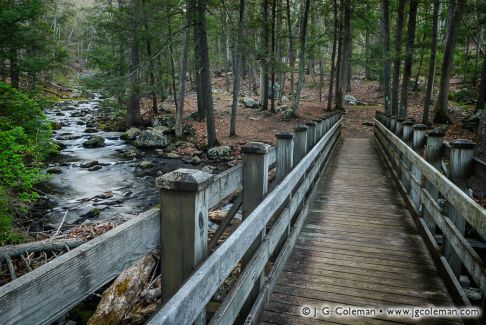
{"x": 39, "y": 246}
{"x": 124, "y": 293}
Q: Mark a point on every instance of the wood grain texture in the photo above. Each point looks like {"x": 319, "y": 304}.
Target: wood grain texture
{"x": 46, "y": 293}
{"x": 359, "y": 246}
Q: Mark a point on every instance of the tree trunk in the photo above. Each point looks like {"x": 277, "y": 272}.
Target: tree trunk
{"x": 397, "y": 61}
{"x": 201, "y": 113}
{"x": 205, "y": 73}
{"x": 237, "y": 68}
{"x": 150, "y": 62}
{"x": 303, "y": 34}
{"x": 272, "y": 59}
{"x": 433, "y": 53}
{"x": 407, "y": 69}
{"x": 480, "y": 105}
{"x": 441, "y": 111}
{"x": 134, "y": 117}
{"x": 342, "y": 76}
{"x": 385, "y": 31}
{"x": 291, "y": 50}
{"x": 266, "y": 59}
{"x": 182, "y": 77}
{"x": 333, "y": 56}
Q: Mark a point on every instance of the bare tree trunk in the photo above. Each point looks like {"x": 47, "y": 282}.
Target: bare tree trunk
{"x": 407, "y": 69}
{"x": 397, "y": 54}
{"x": 343, "y": 70}
{"x": 150, "y": 62}
{"x": 182, "y": 77}
{"x": 385, "y": 31}
{"x": 272, "y": 59}
{"x": 441, "y": 110}
{"x": 480, "y": 105}
{"x": 333, "y": 56}
{"x": 321, "y": 78}
{"x": 433, "y": 54}
{"x": 266, "y": 59}
{"x": 291, "y": 50}
{"x": 237, "y": 68}
{"x": 134, "y": 117}
{"x": 303, "y": 34}
{"x": 205, "y": 73}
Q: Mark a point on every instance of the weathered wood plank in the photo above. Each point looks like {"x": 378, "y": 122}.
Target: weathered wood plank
{"x": 46, "y": 293}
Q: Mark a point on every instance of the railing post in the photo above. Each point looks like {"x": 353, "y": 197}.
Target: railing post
{"x": 399, "y": 127}
{"x": 183, "y": 227}
{"x": 310, "y": 135}
{"x": 300, "y": 143}
{"x": 435, "y": 139}
{"x": 393, "y": 124}
{"x": 387, "y": 121}
{"x": 255, "y": 187}
{"x": 418, "y": 145}
{"x": 407, "y": 131}
{"x": 285, "y": 152}
{"x": 460, "y": 160}
{"x": 318, "y": 129}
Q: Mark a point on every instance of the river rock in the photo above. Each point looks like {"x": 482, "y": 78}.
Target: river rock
{"x": 285, "y": 100}
{"x": 146, "y": 164}
{"x": 152, "y": 139}
{"x": 217, "y": 216}
{"x": 55, "y": 170}
{"x": 195, "y": 160}
{"x": 89, "y": 164}
{"x": 131, "y": 134}
{"x": 249, "y": 102}
{"x": 165, "y": 120}
{"x": 207, "y": 169}
{"x": 219, "y": 152}
{"x": 172, "y": 155}
{"x": 94, "y": 168}
{"x": 161, "y": 128}
{"x": 94, "y": 142}
{"x": 288, "y": 114}
{"x": 56, "y": 125}
{"x": 90, "y": 130}
{"x": 91, "y": 214}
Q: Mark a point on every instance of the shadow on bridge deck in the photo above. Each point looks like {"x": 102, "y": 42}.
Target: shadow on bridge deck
{"x": 359, "y": 247}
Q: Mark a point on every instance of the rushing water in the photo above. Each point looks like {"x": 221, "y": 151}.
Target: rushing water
{"x": 119, "y": 186}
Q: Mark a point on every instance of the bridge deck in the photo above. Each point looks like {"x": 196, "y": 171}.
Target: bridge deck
{"x": 359, "y": 247}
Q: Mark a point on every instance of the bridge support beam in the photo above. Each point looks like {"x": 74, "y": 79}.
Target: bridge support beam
{"x": 461, "y": 159}
{"x": 183, "y": 227}
{"x": 418, "y": 145}
{"x": 311, "y": 135}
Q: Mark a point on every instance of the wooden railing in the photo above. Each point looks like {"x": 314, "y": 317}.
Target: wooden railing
{"x": 437, "y": 200}
{"x": 270, "y": 222}
{"x": 48, "y": 292}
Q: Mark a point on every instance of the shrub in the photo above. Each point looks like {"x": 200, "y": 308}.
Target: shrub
{"x": 25, "y": 140}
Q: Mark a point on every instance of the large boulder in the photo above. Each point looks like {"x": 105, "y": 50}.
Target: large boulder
{"x": 249, "y": 102}
{"x": 94, "y": 142}
{"x": 152, "y": 138}
{"x": 351, "y": 100}
{"x": 221, "y": 152}
{"x": 165, "y": 120}
{"x": 131, "y": 134}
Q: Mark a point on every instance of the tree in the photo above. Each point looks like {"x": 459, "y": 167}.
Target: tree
{"x": 333, "y": 55}
{"x": 237, "y": 68}
{"x": 385, "y": 31}
{"x": 407, "y": 69}
{"x": 433, "y": 54}
{"x": 343, "y": 73}
{"x": 133, "y": 116}
{"x": 397, "y": 61}
{"x": 441, "y": 109}
{"x": 204, "y": 72}
{"x": 303, "y": 33}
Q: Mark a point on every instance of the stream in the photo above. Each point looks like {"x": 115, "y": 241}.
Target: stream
{"x": 116, "y": 185}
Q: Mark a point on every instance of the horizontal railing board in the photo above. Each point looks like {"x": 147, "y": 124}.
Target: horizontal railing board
{"x": 473, "y": 213}
{"x": 48, "y": 292}
{"x": 185, "y": 306}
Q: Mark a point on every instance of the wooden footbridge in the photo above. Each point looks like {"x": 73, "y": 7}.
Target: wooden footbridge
{"x": 347, "y": 227}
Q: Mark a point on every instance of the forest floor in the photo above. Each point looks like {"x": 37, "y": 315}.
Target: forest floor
{"x": 259, "y": 125}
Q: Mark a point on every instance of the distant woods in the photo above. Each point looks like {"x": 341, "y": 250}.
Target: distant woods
{"x": 148, "y": 54}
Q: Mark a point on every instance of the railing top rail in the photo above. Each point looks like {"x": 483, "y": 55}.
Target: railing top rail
{"x": 474, "y": 214}
{"x": 185, "y": 306}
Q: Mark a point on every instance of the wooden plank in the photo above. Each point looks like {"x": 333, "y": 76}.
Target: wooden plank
{"x": 48, "y": 292}
{"x": 472, "y": 211}
{"x": 225, "y": 184}
{"x": 186, "y": 304}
